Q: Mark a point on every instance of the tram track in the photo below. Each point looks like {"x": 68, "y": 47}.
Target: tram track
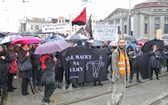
{"x": 107, "y": 92}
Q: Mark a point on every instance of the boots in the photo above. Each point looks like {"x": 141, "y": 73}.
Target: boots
{"x": 59, "y": 85}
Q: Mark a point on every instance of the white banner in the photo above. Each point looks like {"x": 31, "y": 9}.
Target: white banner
{"x": 105, "y": 32}
{"x": 56, "y": 27}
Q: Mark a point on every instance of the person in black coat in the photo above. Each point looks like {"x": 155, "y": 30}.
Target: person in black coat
{"x": 23, "y": 55}
{"x": 155, "y": 56}
{"x": 36, "y": 71}
{"x": 4, "y": 69}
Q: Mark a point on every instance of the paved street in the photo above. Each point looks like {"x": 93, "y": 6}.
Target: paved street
{"x": 140, "y": 94}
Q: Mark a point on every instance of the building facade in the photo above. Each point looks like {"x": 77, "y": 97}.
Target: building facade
{"x": 146, "y": 18}
{"x": 35, "y": 24}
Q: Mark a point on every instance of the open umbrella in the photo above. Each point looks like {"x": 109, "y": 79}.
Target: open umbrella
{"x": 113, "y": 43}
{"x": 26, "y": 40}
{"x": 165, "y": 36}
{"x": 51, "y": 47}
{"x": 94, "y": 43}
{"x": 148, "y": 45}
{"x": 28, "y": 33}
{"x": 143, "y": 39}
{"x": 129, "y": 39}
{"x": 54, "y": 38}
{"x": 76, "y": 37}
{"x": 8, "y": 38}
{"x": 165, "y": 43}
{"x": 2, "y": 34}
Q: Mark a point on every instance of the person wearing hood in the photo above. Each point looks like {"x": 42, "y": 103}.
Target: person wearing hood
{"x": 133, "y": 58}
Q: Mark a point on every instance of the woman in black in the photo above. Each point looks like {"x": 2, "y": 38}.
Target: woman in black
{"x": 23, "y": 55}
{"x": 155, "y": 62}
{"x": 4, "y": 68}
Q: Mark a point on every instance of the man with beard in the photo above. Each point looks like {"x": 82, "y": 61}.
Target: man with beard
{"x": 120, "y": 66}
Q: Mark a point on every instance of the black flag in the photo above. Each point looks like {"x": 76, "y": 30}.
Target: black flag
{"x": 88, "y": 27}
{"x": 144, "y": 65}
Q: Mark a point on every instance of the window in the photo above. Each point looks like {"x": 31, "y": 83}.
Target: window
{"x": 36, "y": 27}
{"x": 159, "y": 9}
{"x": 166, "y": 18}
{"x": 32, "y": 27}
{"x": 155, "y": 9}
{"x": 166, "y": 28}
{"x": 125, "y": 29}
{"x": 157, "y": 26}
{"x": 59, "y": 21}
{"x": 146, "y": 28}
{"x": 157, "y": 18}
{"x": 119, "y": 32}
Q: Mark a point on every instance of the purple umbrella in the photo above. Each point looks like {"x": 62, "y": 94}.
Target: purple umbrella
{"x": 51, "y": 47}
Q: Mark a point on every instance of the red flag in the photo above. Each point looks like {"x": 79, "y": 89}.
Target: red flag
{"x": 80, "y": 19}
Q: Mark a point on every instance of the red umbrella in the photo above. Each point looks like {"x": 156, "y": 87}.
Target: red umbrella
{"x": 26, "y": 40}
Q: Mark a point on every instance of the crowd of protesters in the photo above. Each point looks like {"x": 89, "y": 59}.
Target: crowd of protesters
{"x": 48, "y": 63}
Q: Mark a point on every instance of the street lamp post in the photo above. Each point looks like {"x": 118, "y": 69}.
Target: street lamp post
{"x": 129, "y": 19}
{"x": 24, "y": 1}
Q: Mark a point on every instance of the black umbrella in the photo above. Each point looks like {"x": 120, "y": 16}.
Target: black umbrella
{"x": 94, "y": 43}
{"x": 2, "y": 34}
{"x": 28, "y": 33}
{"x": 129, "y": 39}
{"x": 148, "y": 45}
{"x": 76, "y": 37}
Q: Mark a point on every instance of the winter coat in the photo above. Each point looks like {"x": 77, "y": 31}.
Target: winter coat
{"x": 4, "y": 66}
{"x": 155, "y": 62}
{"x": 135, "y": 60}
{"x": 22, "y": 58}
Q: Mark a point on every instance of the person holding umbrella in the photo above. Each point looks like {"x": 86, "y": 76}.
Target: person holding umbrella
{"x": 24, "y": 57}
{"x": 155, "y": 56}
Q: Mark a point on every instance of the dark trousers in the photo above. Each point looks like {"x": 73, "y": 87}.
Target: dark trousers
{"x": 10, "y": 81}
{"x": 49, "y": 89}
{"x": 37, "y": 77}
{"x": 156, "y": 72}
{"x": 59, "y": 74}
{"x": 25, "y": 85}
{"x": 134, "y": 70}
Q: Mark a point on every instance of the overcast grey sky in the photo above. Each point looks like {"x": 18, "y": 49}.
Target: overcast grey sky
{"x": 12, "y": 10}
